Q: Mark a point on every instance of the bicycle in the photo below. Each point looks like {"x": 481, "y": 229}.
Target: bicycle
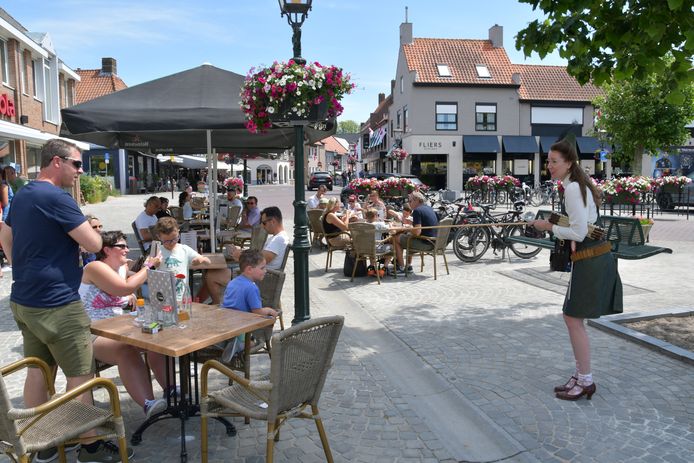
{"x": 544, "y": 194}
{"x": 471, "y": 243}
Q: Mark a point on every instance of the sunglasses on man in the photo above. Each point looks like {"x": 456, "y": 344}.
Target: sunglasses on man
{"x": 76, "y": 163}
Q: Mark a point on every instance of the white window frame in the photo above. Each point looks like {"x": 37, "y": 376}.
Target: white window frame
{"x": 446, "y": 108}
{"x": 443, "y": 70}
{"x": 4, "y": 62}
{"x": 23, "y": 73}
{"x": 483, "y": 71}
{"x": 486, "y": 108}
{"x": 37, "y": 76}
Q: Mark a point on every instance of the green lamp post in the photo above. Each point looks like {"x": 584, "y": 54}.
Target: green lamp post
{"x": 296, "y": 12}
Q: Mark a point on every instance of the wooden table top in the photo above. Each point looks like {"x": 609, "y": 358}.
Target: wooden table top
{"x": 217, "y": 261}
{"x": 209, "y": 325}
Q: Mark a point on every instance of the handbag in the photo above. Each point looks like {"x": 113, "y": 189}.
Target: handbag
{"x": 349, "y": 266}
{"x": 560, "y": 256}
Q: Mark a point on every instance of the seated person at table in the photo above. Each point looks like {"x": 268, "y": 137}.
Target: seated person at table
{"x": 178, "y": 257}
{"x": 106, "y": 288}
{"x": 374, "y": 200}
{"x": 146, "y": 219}
{"x": 332, "y": 224}
{"x": 184, "y": 203}
{"x": 382, "y": 245}
{"x": 422, "y": 216}
{"x": 404, "y": 217}
{"x": 250, "y": 215}
{"x": 314, "y": 201}
{"x": 232, "y": 198}
{"x": 164, "y": 208}
{"x": 276, "y": 244}
{"x": 243, "y": 294}
{"x": 354, "y": 206}
{"x": 87, "y": 256}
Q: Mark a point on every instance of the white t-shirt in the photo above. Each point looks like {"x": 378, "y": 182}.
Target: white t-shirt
{"x": 276, "y": 244}
{"x": 177, "y": 261}
{"x": 143, "y": 222}
{"x": 313, "y": 202}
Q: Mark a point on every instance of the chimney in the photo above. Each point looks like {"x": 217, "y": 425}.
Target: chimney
{"x": 405, "y": 33}
{"x": 516, "y": 78}
{"x": 108, "y": 66}
{"x": 496, "y": 36}
{"x": 381, "y": 97}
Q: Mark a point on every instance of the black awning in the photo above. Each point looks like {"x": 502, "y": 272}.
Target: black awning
{"x": 588, "y": 145}
{"x": 519, "y": 144}
{"x": 546, "y": 142}
{"x": 481, "y": 143}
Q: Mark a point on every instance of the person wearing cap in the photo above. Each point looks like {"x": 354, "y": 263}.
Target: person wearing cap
{"x": 354, "y": 206}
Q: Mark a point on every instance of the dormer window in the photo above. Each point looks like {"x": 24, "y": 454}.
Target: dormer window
{"x": 483, "y": 71}
{"x": 443, "y": 70}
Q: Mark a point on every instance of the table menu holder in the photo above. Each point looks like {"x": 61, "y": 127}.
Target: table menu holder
{"x": 162, "y": 296}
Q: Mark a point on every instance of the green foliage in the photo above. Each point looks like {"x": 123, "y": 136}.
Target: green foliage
{"x": 347, "y": 126}
{"x": 617, "y": 40}
{"x": 636, "y": 115}
{"x": 95, "y": 189}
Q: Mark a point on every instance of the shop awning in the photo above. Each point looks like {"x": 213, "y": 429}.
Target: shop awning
{"x": 189, "y": 162}
{"x": 546, "y": 142}
{"x": 588, "y": 145}
{"x": 519, "y": 144}
{"x": 481, "y": 143}
{"x": 15, "y": 131}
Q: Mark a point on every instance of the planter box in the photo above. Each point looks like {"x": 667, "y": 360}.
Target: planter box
{"x": 285, "y": 118}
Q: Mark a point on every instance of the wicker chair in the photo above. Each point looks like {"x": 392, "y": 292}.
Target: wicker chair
{"x": 364, "y": 245}
{"x": 271, "y": 292}
{"x": 301, "y": 358}
{"x": 229, "y": 234}
{"x": 258, "y": 237}
{"x": 138, "y": 238}
{"x": 59, "y": 421}
{"x": 439, "y": 245}
{"x": 177, "y": 213}
{"x": 315, "y": 227}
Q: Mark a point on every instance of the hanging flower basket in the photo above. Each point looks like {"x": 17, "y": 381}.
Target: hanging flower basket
{"x": 233, "y": 183}
{"x": 292, "y": 92}
{"x": 397, "y": 154}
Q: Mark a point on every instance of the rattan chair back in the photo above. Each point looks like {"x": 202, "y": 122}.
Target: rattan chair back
{"x": 363, "y": 238}
{"x": 315, "y": 225}
{"x": 301, "y": 358}
{"x": 258, "y": 237}
{"x": 233, "y": 215}
{"x": 176, "y": 213}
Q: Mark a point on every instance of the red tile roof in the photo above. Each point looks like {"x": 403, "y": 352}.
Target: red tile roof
{"x": 94, "y": 84}
{"x": 461, "y": 56}
{"x": 333, "y": 145}
{"x": 553, "y": 83}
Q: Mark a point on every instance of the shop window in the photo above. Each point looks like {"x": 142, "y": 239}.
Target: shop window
{"x": 485, "y": 117}
{"x": 4, "y": 63}
{"x": 446, "y": 116}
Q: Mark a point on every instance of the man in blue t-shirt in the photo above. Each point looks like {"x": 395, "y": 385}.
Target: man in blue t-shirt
{"x": 422, "y": 216}
{"x": 41, "y": 237}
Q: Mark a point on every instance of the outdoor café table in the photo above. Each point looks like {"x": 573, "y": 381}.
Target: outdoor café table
{"x": 209, "y": 325}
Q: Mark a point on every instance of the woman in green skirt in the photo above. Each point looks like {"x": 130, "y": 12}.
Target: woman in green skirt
{"x": 595, "y": 288}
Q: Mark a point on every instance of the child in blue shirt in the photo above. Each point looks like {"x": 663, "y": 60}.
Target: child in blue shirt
{"x": 243, "y": 294}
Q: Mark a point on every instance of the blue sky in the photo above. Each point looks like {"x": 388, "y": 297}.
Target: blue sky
{"x": 154, "y": 38}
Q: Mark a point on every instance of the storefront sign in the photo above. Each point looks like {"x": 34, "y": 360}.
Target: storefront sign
{"x": 521, "y": 167}
{"x": 6, "y": 106}
{"x": 429, "y": 146}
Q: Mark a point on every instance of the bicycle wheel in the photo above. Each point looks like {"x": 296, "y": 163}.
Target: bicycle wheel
{"x": 524, "y": 251}
{"x": 469, "y": 244}
{"x": 476, "y": 197}
{"x": 536, "y": 197}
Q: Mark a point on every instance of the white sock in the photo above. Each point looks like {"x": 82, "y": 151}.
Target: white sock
{"x": 585, "y": 380}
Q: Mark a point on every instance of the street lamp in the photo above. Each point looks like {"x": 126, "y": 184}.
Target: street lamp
{"x": 296, "y": 12}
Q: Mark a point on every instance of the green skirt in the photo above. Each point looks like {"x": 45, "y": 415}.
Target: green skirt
{"x": 595, "y": 288}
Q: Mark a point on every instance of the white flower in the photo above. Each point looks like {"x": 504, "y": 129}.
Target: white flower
{"x": 270, "y": 109}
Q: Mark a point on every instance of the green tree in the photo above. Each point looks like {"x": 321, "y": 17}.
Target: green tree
{"x": 636, "y": 117}
{"x": 347, "y": 126}
{"x": 617, "y": 39}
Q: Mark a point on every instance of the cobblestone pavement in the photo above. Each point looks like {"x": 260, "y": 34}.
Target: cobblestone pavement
{"x": 499, "y": 342}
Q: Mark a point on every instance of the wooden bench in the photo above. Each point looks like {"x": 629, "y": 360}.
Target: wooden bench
{"x": 625, "y": 234}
